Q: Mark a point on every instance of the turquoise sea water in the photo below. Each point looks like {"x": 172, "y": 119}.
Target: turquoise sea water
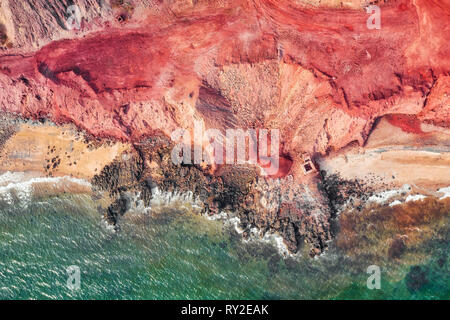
{"x": 175, "y": 254}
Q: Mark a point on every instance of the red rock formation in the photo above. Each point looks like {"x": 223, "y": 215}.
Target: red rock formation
{"x": 318, "y": 74}
{"x": 408, "y": 123}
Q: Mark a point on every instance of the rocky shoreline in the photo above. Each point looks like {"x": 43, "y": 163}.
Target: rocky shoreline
{"x": 300, "y": 215}
{"x": 305, "y": 214}
{"x": 132, "y": 74}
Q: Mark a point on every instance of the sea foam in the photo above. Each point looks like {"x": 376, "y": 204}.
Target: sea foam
{"x": 21, "y": 186}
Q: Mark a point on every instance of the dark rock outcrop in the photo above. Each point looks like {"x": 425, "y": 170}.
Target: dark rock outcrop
{"x": 296, "y": 213}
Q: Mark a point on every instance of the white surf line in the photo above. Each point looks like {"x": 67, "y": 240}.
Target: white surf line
{"x": 384, "y": 196}
{"x": 255, "y": 234}
{"x": 21, "y": 177}
{"x": 395, "y": 203}
{"x": 22, "y": 187}
{"x": 445, "y": 191}
{"x": 418, "y": 197}
{"x": 415, "y": 197}
{"x": 162, "y": 198}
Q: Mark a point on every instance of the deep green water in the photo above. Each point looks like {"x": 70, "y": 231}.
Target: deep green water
{"x": 179, "y": 255}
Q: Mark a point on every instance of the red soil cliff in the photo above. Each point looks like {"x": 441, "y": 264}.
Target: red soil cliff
{"x": 317, "y": 74}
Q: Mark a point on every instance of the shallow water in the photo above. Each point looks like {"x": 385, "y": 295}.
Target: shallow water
{"x": 175, "y": 254}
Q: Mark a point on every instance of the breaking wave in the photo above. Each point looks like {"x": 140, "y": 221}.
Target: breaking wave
{"x": 21, "y": 187}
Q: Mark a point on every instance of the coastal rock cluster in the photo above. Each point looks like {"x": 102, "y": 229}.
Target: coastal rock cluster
{"x": 296, "y": 213}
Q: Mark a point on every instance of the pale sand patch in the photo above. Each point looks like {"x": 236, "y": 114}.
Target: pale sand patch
{"x": 386, "y": 134}
{"x": 34, "y": 147}
{"x": 397, "y": 167}
{"x": 394, "y": 157}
